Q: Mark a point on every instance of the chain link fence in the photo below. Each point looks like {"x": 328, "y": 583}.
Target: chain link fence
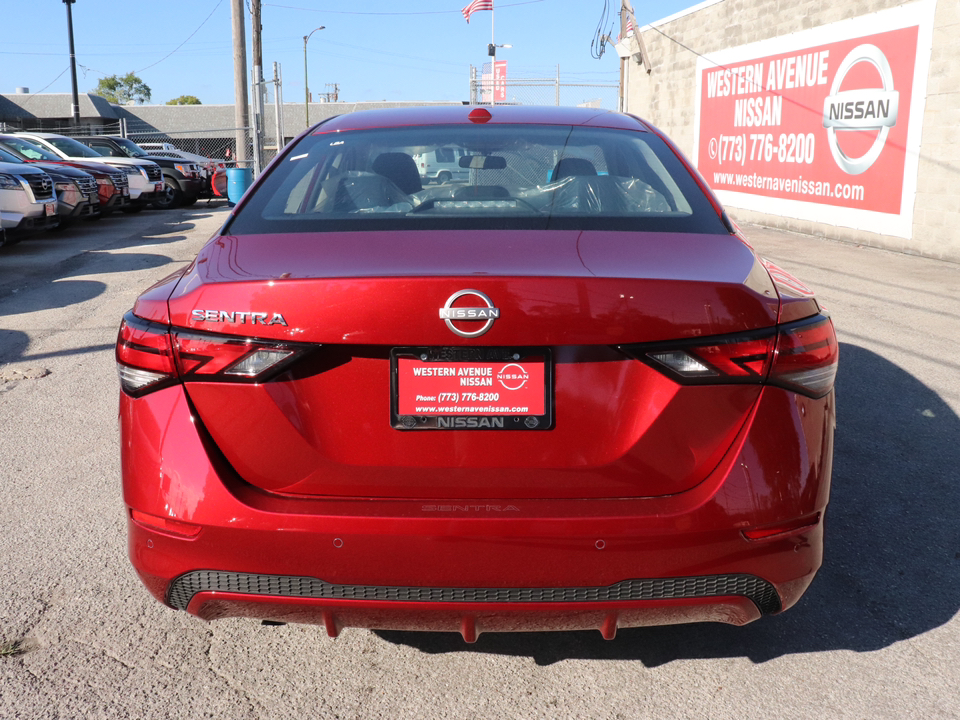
{"x": 229, "y": 145}
{"x": 542, "y": 91}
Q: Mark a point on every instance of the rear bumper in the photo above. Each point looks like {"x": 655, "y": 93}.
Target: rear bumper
{"x": 471, "y": 568}
{"x": 473, "y": 619}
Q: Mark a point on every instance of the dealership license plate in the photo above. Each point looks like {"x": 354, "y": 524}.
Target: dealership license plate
{"x": 158, "y": 187}
{"x": 50, "y": 208}
{"x": 461, "y": 388}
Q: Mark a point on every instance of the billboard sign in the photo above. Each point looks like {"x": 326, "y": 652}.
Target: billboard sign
{"x": 820, "y": 125}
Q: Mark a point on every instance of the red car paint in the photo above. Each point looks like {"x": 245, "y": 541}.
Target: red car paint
{"x": 681, "y": 474}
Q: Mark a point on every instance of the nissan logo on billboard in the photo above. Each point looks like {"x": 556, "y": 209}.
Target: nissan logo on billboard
{"x": 862, "y": 109}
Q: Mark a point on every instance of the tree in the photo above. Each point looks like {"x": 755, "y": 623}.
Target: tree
{"x": 185, "y": 100}
{"x": 120, "y": 90}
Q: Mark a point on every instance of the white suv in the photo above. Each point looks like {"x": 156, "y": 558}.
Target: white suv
{"x": 27, "y": 201}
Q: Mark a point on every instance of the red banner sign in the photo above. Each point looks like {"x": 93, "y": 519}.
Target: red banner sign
{"x": 500, "y": 81}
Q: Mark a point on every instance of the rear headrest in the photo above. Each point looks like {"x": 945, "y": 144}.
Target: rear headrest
{"x": 568, "y": 167}
{"x": 401, "y": 169}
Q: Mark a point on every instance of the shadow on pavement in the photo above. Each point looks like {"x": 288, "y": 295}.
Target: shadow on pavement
{"x": 13, "y": 344}
{"x": 62, "y": 292}
{"x": 892, "y": 562}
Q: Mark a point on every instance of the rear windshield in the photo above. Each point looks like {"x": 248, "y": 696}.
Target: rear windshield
{"x": 493, "y": 177}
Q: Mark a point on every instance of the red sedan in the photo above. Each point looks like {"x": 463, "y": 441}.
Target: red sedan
{"x": 561, "y": 393}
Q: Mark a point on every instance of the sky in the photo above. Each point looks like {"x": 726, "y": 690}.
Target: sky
{"x": 374, "y": 49}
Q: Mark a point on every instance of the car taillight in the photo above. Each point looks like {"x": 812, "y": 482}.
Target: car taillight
{"x": 801, "y": 356}
{"x": 199, "y": 354}
{"x": 807, "y": 356}
{"x": 708, "y": 361}
{"x": 144, "y": 356}
{"x": 152, "y": 355}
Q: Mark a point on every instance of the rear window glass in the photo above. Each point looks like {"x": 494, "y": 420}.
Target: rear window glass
{"x": 505, "y": 177}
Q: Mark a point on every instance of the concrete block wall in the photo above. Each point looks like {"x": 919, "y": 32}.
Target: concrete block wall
{"x": 667, "y": 98}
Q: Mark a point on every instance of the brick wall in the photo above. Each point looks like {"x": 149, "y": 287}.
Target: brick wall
{"x": 667, "y": 98}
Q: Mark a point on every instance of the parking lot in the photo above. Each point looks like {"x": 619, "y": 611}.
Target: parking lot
{"x": 877, "y": 636}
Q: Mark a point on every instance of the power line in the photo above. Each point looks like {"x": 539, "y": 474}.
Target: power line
{"x": 219, "y": 3}
{"x": 421, "y": 12}
{"x": 33, "y": 95}
{"x": 432, "y": 61}
{"x": 598, "y": 44}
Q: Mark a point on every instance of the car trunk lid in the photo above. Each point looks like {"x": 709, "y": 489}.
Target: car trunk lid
{"x": 618, "y": 428}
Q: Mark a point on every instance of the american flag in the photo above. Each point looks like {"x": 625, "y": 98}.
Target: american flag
{"x": 476, "y": 6}
{"x": 630, "y": 29}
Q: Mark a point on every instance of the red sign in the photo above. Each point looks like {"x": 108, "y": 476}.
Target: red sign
{"x": 470, "y": 388}
{"x": 500, "y": 81}
{"x": 815, "y": 123}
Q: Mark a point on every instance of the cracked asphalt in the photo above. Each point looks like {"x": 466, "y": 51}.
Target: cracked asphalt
{"x": 877, "y": 636}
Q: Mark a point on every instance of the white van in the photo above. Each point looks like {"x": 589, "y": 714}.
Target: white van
{"x": 442, "y": 165}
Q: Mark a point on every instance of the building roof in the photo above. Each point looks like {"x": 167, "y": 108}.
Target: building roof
{"x": 55, "y": 105}
{"x": 196, "y": 121}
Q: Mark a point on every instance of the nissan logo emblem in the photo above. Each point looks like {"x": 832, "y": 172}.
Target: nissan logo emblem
{"x": 866, "y": 109}
{"x": 487, "y": 312}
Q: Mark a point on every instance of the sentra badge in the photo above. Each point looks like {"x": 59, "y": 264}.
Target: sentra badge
{"x": 238, "y": 318}
{"x": 861, "y": 109}
{"x": 487, "y": 313}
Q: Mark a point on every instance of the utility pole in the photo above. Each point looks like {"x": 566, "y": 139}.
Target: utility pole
{"x": 644, "y": 58}
{"x": 258, "y": 86}
{"x": 75, "y": 106}
{"x": 241, "y": 108}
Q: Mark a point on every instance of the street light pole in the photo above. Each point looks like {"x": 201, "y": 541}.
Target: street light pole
{"x": 75, "y": 108}
{"x": 306, "y": 86}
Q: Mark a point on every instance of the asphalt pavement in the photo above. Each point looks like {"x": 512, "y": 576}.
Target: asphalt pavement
{"x": 877, "y": 636}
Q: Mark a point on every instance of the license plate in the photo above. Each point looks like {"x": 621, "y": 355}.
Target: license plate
{"x": 158, "y": 187}
{"x": 50, "y": 208}
{"x": 126, "y": 192}
{"x": 461, "y": 388}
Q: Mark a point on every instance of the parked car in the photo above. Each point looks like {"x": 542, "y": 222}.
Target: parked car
{"x": 208, "y": 166}
{"x": 515, "y": 404}
{"x": 442, "y": 164}
{"x": 28, "y": 202}
{"x": 144, "y": 177}
{"x": 113, "y": 191}
{"x": 183, "y": 181}
{"x": 76, "y": 190}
